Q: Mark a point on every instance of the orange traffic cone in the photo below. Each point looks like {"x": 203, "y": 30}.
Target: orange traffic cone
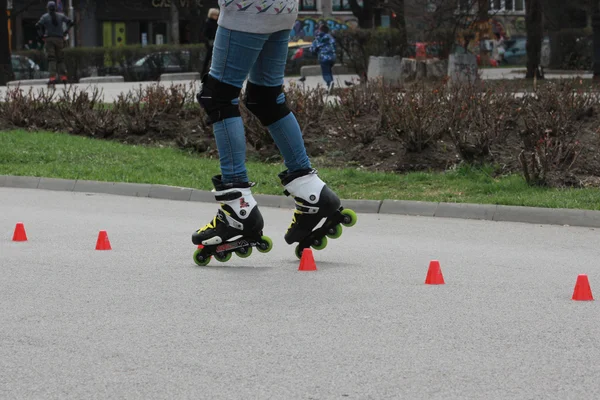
{"x": 582, "y": 291}
{"x": 103, "y": 243}
{"x": 19, "y": 235}
{"x": 434, "y": 274}
{"x": 307, "y": 261}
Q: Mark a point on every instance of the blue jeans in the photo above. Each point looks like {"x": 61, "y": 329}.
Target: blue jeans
{"x": 327, "y": 70}
{"x": 261, "y": 58}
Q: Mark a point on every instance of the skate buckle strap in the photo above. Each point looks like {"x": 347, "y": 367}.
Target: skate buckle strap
{"x": 305, "y": 209}
{"x": 228, "y": 196}
{"x": 234, "y": 223}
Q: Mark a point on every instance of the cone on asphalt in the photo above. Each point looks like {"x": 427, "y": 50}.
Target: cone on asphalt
{"x": 19, "y": 235}
{"x": 434, "y": 274}
{"x": 103, "y": 243}
{"x": 582, "y": 291}
{"x": 307, "y": 261}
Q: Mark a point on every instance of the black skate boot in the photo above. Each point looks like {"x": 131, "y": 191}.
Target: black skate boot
{"x": 314, "y": 202}
{"x": 237, "y": 227}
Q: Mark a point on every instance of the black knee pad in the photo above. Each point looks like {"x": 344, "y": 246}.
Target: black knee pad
{"x": 218, "y": 99}
{"x": 262, "y": 101}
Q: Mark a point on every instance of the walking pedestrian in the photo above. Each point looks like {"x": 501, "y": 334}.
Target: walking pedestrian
{"x": 210, "y": 30}
{"x": 324, "y": 47}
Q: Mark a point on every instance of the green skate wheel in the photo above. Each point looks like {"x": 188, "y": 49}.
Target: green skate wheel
{"x": 224, "y": 258}
{"x": 319, "y": 244}
{"x": 265, "y": 245}
{"x": 298, "y": 252}
{"x": 334, "y": 232}
{"x": 200, "y": 260}
{"x": 350, "y": 217}
{"x": 244, "y": 252}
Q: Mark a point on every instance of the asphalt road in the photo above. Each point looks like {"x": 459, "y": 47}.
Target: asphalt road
{"x": 143, "y": 322}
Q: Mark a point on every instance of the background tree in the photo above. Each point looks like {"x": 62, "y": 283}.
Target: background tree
{"x": 398, "y": 20}
{"x": 484, "y": 29}
{"x": 365, "y": 14}
{"x": 595, "y": 11}
{"x": 174, "y": 12}
{"x": 6, "y": 72}
{"x": 446, "y": 22}
{"x": 535, "y": 32}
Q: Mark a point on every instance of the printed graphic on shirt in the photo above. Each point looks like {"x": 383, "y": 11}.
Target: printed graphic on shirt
{"x": 261, "y": 6}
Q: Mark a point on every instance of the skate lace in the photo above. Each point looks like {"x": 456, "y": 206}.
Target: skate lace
{"x": 210, "y": 225}
{"x": 296, "y": 212}
{"x": 213, "y": 224}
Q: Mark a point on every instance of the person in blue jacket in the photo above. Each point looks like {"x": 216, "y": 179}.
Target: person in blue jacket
{"x": 324, "y": 47}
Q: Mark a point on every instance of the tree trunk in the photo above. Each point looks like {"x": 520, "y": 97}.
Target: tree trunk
{"x": 535, "y": 33}
{"x": 399, "y": 22}
{"x": 483, "y": 10}
{"x": 197, "y": 11}
{"x": 596, "y": 41}
{"x": 6, "y": 72}
{"x": 365, "y": 14}
{"x": 174, "y": 22}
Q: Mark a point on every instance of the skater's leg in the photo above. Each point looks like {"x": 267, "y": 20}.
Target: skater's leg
{"x": 266, "y": 100}
{"x": 207, "y": 59}
{"x": 238, "y": 221}
{"x": 326, "y": 71}
{"x": 234, "y": 53}
{"x": 314, "y": 200}
{"x": 60, "y": 60}
{"x": 330, "y": 75}
{"x": 51, "y": 54}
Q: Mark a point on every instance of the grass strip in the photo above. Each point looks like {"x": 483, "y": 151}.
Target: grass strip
{"x": 58, "y": 155}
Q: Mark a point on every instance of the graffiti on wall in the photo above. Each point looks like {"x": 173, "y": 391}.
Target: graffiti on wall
{"x": 505, "y": 27}
{"x": 307, "y": 27}
{"x": 511, "y": 26}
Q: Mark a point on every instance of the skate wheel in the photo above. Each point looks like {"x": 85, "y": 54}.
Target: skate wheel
{"x": 265, "y": 245}
{"x": 319, "y": 244}
{"x": 298, "y": 252}
{"x": 244, "y": 252}
{"x": 334, "y": 232}
{"x": 350, "y": 217}
{"x": 223, "y": 258}
{"x": 199, "y": 259}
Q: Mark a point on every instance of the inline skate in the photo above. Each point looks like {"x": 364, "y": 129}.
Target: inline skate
{"x": 314, "y": 202}
{"x": 237, "y": 227}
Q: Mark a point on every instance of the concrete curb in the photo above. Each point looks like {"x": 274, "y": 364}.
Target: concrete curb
{"x": 486, "y": 212}
{"x": 315, "y": 70}
{"x": 183, "y": 76}
{"x": 103, "y": 79}
{"x": 27, "y": 82}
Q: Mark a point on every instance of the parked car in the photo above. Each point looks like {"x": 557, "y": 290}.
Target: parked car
{"x": 299, "y": 54}
{"x": 25, "y": 68}
{"x": 152, "y": 66}
{"x": 515, "y": 52}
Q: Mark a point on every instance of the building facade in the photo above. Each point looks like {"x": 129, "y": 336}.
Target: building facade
{"x": 115, "y": 23}
{"x": 507, "y": 17}
{"x": 311, "y": 13}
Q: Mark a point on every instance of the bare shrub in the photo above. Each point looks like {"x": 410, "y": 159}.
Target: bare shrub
{"x": 552, "y": 118}
{"x": 478, "y": 120}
